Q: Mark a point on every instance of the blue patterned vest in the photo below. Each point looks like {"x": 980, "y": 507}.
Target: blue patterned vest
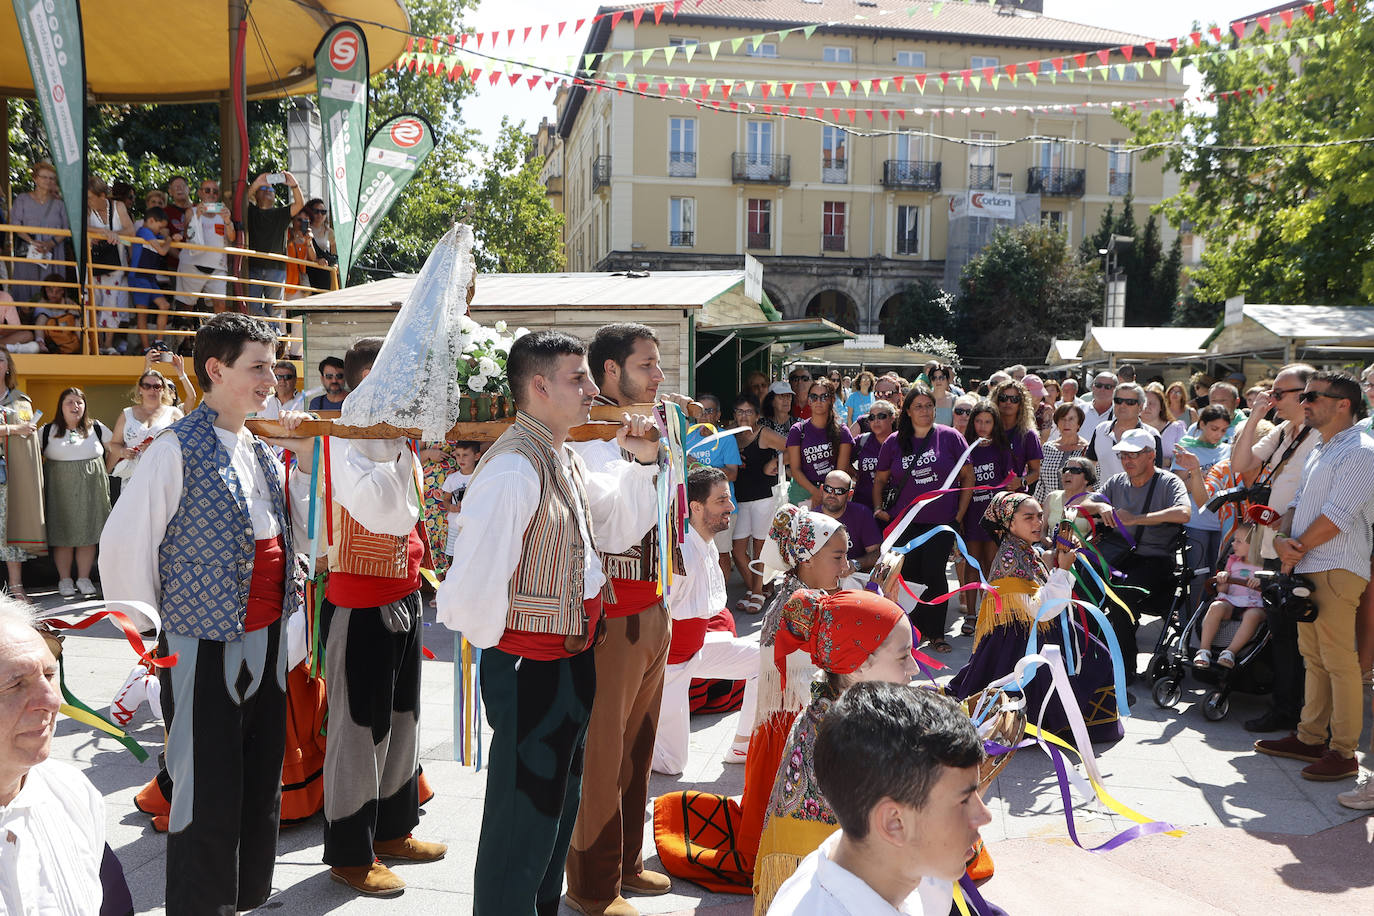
{"x": 205, "y": 560}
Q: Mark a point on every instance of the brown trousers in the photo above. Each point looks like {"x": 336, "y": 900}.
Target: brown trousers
{"x": 608, "y": 839}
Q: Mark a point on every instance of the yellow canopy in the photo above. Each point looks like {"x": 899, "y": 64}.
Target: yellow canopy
{"x": 178, "y": 50}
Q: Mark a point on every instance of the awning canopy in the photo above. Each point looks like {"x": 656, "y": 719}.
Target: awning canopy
{"x": 788, "y": 331}
{"x": 840, "y": 355}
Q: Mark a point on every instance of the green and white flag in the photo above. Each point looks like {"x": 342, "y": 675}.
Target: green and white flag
{"x": 341, "y": 74}
{"x": 394, "y": 153}
{"x": 51, "y": 32}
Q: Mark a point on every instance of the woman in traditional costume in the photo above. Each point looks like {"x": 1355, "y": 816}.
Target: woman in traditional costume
{"x": 1027, "y": 587}
{"x": 850, "y": 636}
{"x": 23, "y": 529}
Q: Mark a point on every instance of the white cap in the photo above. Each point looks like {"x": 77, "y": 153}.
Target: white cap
{"x": 1135, "y": 440}
{"x": 780, "y": 388}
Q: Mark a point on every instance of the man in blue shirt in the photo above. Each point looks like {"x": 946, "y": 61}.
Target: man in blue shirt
{"x": 723, "y": 454}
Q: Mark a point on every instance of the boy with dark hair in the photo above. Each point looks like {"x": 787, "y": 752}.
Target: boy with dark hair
{"x": 909, "y": 813}
{"x": 148, "y": 255}
{"x": 371, "y": 626}
{"x": 201, "y": 548}
{"x": 454, "y": 487}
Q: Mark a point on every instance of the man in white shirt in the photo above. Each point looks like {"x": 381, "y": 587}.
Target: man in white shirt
{"x": 899, "y": 767}
{"x": 694, "y": 652}
{"x": 52, "y": 820}
{"x": 284, "y": 395}
{"x": 1098, "y": 405}
{"x": 1128, "y": 400}
{"x": 533, "y": 519}
{"x": 208, "y": 225}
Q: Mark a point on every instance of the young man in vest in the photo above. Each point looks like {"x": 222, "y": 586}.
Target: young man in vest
{"x": 605, "y": 857}
{"x": 203, "y": 542}
{"x": 371, "y": 625}
{"x": 530, "y": 596}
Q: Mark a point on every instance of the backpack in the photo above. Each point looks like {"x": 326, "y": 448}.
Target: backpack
{"x": 47, "y": 430}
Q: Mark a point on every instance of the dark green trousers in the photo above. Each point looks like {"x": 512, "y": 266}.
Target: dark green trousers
{"x": 538, "y": 713}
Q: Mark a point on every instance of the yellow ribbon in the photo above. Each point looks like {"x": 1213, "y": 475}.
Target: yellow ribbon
{"x": 86, "y": 718}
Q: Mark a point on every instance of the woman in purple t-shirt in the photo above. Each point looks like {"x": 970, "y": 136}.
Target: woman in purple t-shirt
{"x": 882, "y": 422}
{"x": 1018, "y": 420}
{"x": 819, "y": 445}
{"x": 990, "y": 465}
{"x": 917, "y": 460}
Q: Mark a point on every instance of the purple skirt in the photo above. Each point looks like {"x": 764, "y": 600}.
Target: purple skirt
{"x": 1093, "y": 685}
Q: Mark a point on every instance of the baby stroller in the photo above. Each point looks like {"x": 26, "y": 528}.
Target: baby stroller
{"x": 1178, "y": 643}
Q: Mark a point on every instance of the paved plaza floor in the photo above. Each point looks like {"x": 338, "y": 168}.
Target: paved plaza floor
{"x": 1257, "y": 837}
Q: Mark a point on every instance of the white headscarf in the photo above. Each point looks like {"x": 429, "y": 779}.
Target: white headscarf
{"x": 796, "y": 535}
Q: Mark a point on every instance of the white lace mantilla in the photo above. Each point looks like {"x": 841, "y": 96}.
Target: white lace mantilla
{"x": 411, "y": 383}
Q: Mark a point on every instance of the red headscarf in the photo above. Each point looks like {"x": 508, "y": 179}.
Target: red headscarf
{"x": 840, "y": 631}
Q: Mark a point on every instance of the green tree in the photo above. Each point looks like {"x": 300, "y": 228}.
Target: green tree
{"x": 1026, "y": 287}
{"x": 1282, "y": 223}
{"x": 516, "y": 228}
{"x": 1151, "y": 281}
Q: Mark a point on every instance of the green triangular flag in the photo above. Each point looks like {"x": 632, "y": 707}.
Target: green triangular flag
{"x": 668, "y": 53}
{"x": 864, "y": 84}
{"x": 626, "y": 57}
{"x": 1117, "y": 69}
{"x": 748, "y": 87}
{"x": 977, "y": 82}
{"x": 714, "y": 48}
{"x": 646, "y": 54}
{"x": 688, "y": 50}
{"x": 1177, "y": 62}
{"x": 587, "y": 61}
{"x": 1154, "y": 65}
{"x": 735, "y": 43}
{"x": 757, "y": 40}
{"x": 1320, "y": 40}
{"x": 808, "y": 30}
{"x": 844, "y": 84}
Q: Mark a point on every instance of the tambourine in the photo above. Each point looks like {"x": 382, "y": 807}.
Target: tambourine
{"x": 886, "y": 577}
{"x": 1004, "y": 723}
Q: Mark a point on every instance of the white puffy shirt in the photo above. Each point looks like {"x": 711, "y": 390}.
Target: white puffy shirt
{"x": 52, "y": 840}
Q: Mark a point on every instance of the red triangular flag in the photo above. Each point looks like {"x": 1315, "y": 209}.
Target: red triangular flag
{"x": 642, "y": 86}
{"x": 1103, "y": 55}
{"x": 1287, "y": 17}
{"x": 479, "y": 39}
{"x": 869, "y": 112}
{"x": 677, "y": 5}
{"x": 534, "y": 81}
{"x": 1128, "y": 51}
{"x": 854, "y": 113}
{"x": 1239, "y": 28}
{"x": 784, "y": 109}
{"x": 832, "y": 85}
{"x": 725, "y": 90}
{"x": 561, "y": 26}
{"x": 887, "y": 115}
{"x": 1264, "y": 23}
{"x": 493, "y": 76}
{"x": 662, "y": 88}
{"x": 1310, "y": 11}
{"x": 854, "y": 85}
{"x": 787, "y": 89}
{"x": 988, "y": 73}
{"x": 897, "y": 81}
{"x": 637, "y": 15}
{"x": 543, "y": 31}
{"x": 615, "y": 18}
{"x": 876, "y": 84}
{"x": 944, "y": 78}
{"x": 658, "y": 13}
{"x": 968, "y": 77}
{"x": 437, "y": 44}
{"x": 463, "y": 40}
{"x": 765, "y": 88}
{"x": 474, "y": 73}
{"x": 1058, "y": 63}
{"x": 494, "y": 36}
{"x": 1150, "y": 48}
{"x": 810, "y": 88}
{"x": 1034, "y": 67}
{"x": 901, "y": 112}
{"x": 1011, "y": 71}
{"x": 1330, "y": 7}
{"x": 1196, "y": 37}
{"x": 801, "y": 111}
{"x": 921, "y": 81}
{"x": 1215, "y": 32}
{"x": 514, "y": 77}
{"x": 1081, "y": 60}
{"x": 410, "y": 44}
{"x": 1173, "y": 44}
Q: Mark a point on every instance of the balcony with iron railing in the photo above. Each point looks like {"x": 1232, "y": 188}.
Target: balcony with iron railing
{"x": 981, "y": 177}
{"x": 682, "y": 164}
{"x": 830, "y": 242}
{"x": 681, "y": 239}
{"x": 909, "y": 243}
{"x": 759, "y": 240}
{"x": 601, "y": 172}
{"x": 751, "y": 168}
{"x": 1118, "y": 183}
{"x": 1055, "y": 182}
{"x": 911, "y": 175}
{"x": 834, "y": 170}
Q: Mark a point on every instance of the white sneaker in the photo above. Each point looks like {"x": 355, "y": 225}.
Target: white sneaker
{"x": 1360, "y": 798}
{"x": 86, "y": 587}
{"x": 30, "y": 347}
{"x": 66, "y": 589}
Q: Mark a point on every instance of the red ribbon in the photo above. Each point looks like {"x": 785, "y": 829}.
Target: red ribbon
{"x": 130, "y": 633}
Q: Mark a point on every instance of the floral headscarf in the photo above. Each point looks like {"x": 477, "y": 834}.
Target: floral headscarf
{"x": 1016, "y": 559}
{"x": 796, "y": 535}
{"x": 839, "y": 631}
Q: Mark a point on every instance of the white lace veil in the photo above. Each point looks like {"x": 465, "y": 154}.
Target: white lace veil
{"x": 411, "y": 383}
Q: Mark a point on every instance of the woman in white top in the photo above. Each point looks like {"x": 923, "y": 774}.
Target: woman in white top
{"x": 152, "y": 412}
{"x": 106, "y": 220}
{"x": 1158, "y": 414}
{"x": 76, "y": 491}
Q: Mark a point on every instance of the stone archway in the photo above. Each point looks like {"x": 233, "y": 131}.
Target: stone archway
{"x": 780, "y": 302}
{"x": 835, "y": 306}
{"x": 889, "y": 315}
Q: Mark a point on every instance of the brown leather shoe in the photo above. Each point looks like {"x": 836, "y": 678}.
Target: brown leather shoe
{"x": 1331, "y": 767}
{"x": 409, "y": 849}
{"x": 1292, "y": 747}
{"x": 617, "y": 907}
{"x": 647, "y": 883}
{"x": 375, "y": 880}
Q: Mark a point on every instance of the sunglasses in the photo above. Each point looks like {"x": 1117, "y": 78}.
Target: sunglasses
{"x": 209, "y": 190}
{"x": 1105, "y": 386}
{"x": 319, "y": 212}
{"x": 286, "y": 378}
{"x": 1130, "y": 401}
{"x": 799, "y": 378}
{"x": 711, "y": 410}
{"x": 1009, "y": 399}
{"x": 1310, "y": 397}
{"x": 1278, "y": 393}
{"x": 818, "y": 398}
{"x": 962, "y": 411}
{"x": 880, "y": 416}
{"x": 148, "y": 387}
{"x": 334, "y": 376}
{"x": 937, "y": 377}
{"x": 892, "y": 393}
{"x": 834, "y": 491}
{"x": 1073, "y": 471}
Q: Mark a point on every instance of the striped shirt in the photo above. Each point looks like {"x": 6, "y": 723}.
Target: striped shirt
{"x": 1338, "y": 482}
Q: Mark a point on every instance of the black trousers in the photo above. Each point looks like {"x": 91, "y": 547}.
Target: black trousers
{"x": 538, "y": 712}
{"x": 224, "y": 753}
{"x": 1290, "y": 672}
{"x": 926, "y": 566}
{"x": 1150, "y": 585}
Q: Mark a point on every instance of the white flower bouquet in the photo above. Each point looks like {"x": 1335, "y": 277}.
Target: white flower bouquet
{"x": 481, "y": 370}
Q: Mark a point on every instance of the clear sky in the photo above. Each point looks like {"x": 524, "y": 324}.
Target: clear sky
{"x": 1160, "y": 18}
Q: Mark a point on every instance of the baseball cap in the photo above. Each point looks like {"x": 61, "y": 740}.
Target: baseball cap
{"x": 1035, "y": 386}
{"x": 1135, "y": 440}
{"x": 779, "y": 388}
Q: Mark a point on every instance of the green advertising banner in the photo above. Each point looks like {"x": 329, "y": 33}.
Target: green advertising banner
{"x": 394, "y": 153}
{"x": 51, "y": 32}
{"x": 341, "y": 75}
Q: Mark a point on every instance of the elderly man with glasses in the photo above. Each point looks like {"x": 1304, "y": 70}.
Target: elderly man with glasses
{"x": 1128, "y": 400}
{"x": 209, "y": 226}
{"x": 1097, "y": 404}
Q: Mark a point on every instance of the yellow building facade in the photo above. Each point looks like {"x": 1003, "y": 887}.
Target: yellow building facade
{"x": 842, "y": 219}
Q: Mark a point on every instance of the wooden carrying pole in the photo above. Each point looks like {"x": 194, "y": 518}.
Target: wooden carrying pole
{"x": 604, "y": 423}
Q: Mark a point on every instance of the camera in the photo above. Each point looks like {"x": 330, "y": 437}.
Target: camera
{"x": 1288, "y": 592}
{"x": 1258, "y": 495}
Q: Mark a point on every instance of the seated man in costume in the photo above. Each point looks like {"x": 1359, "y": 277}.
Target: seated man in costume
{"x": 371, "y": 627}
{"x": 908, "y": 815}
{"x": 695, "y": 652}
{"x": 852, "y": 637}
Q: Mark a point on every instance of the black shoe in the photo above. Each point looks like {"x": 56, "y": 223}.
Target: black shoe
{"x": 1271, "y": 721}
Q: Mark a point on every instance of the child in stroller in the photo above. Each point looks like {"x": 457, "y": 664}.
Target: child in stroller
{"x": 1237, "y": 596}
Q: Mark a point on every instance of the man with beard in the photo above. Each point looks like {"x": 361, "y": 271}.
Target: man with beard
{"x": 695, "y": 652}
{"x": 332, "y": 377}
{"x": 606, "y": 856}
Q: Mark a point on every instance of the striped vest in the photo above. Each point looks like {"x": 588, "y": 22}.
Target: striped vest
{"x": 546, "y": 588}
{"x": 205, "y": 560}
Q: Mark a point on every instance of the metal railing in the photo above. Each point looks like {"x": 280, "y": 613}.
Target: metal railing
{"x": 750, "y": 167}
{"x": 834, "y": 170}
{"x": 759, "y": 240}
{"x": 981, "y": 177}
{"x": 601, "y": 172}
{"x": 1118, "y": 183}
{"x": 911, "y": 174}
{"x": 1055, "y": 182}
{"x": 909, "y": 243}
{"x": 832, "y": 242}
{"x": 682, "y": 239}
{"x": 103, "y": 301}
{"x": 682, "y": 165}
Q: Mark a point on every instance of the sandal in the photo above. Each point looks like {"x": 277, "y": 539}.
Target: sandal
{"x": 1203, "y": 659}
{"x": 751, "y": 603}
{"x": 968, "y": 626}
{"x": 1227, "y": 659}
{"x": 940, "y": 646}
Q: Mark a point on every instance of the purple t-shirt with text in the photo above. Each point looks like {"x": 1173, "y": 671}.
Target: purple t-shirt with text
{"x": 925, "y": 469}
{"x": 1025, "y": 447}
{"x": 990, "y": 466}
{"x": 865, "y": 461}
{"x": 818, "y": 457}
{"x": 862, "y": 528}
